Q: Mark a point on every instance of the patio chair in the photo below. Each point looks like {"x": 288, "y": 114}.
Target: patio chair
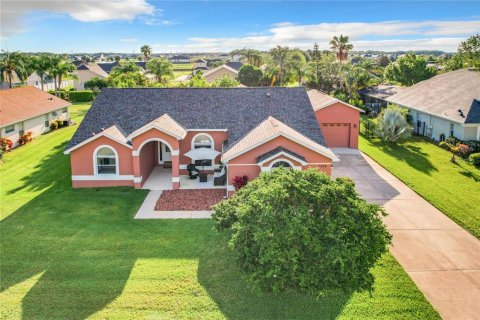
{"x": 192, "y": 171}
{"x": 219, "y": 178}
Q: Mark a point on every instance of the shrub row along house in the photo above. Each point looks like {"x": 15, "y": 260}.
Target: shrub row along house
{"x": 165, "y": 138}
{"x": 28, "y": 109}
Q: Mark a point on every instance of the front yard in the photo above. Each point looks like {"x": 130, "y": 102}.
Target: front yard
{"x": 426, "y": 168}
{"x": 72, "y": 254}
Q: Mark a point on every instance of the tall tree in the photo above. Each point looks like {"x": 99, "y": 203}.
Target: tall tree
{"x": 279, "y": 58}
{"x": 146, "y": 50}
{"x": 13, "y": 64}
{"x": 296, "y": 65}
{"x": 41, "y": 65}
{"x": 341, "y": 46}
{"x": 126, "y": 67}
{"x": 117, "y": 58}
{"x": 161, "y": 68}
{"x": 249, "y": 75}
{"x": 470, "y": 50}
{"x": 408, "y": 70}
{"x": 59, "y": 69}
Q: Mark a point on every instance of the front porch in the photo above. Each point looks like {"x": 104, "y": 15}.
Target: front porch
{"x": 160, "y": 178}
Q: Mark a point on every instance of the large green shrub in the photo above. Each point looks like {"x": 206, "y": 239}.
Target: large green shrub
{"x": 300, "y": 230}
{"x": 81, "y": 96}
{"x": 475, "y": 159}
{"x": 392, "y": 124}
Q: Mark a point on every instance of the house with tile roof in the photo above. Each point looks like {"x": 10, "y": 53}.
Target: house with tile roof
{"x": 173, "y": 138}
{"x": 445, "y": 105}
{"x": 29, "y": 109}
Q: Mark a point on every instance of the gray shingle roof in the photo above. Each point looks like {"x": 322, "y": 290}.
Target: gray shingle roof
{"x": 276, "y": 151}
{"x": 237, "y": 109}
{"x": 444, "y": 95}
{"x": 234, "y": 65}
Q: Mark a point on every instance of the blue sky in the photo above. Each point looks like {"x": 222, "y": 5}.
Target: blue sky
{"x": 187, "y": 26}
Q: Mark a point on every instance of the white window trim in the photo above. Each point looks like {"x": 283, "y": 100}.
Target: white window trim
{"x": 6, "y": 127}
{"x": 95, "y": 166}
{"x": 270, "y": 167}
{"x": 200, "y": 134}
{"x": 285, "y": 154}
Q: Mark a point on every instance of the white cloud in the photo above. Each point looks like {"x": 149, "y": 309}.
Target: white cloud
{"x": 13, "y": 11}
{"x": 387, "y": 35}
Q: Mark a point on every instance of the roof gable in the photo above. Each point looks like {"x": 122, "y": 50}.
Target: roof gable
{"x": 321, "y": 100}
{"x": 267, "y": 130}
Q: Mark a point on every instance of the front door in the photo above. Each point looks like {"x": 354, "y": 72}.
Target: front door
{"x": 164, "y": 153}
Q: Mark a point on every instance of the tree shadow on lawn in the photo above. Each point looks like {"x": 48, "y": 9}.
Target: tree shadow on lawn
{"x": 86, "y": 243}
{"x": 48, "y": 171}
{"x": 219, "y": 274}
{"x": 412, "y": 155}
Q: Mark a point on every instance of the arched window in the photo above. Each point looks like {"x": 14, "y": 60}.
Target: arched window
{"x": 281, "y": 164}
{"x": 202, "y": 140}
{"x": 106, "y": 161}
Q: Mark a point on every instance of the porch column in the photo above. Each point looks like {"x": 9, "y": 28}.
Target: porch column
{"x": 137, "y": 179}
{"x": 175, "y": 169}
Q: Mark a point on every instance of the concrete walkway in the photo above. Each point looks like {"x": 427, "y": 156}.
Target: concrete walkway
{"x": 441, "y": 258}
{"x": 147, "y": 210}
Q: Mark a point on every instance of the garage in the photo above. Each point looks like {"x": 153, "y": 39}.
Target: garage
{"x": 337, "y": 135}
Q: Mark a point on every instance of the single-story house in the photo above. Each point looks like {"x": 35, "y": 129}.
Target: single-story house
{"x": 86, "y": 72}
{"x": 445, "y": 105}
{"x": 376, "y": 97}
{"x": 234, "y": 65}
{"x": 340, "y": 121}
{"x": 219, "y": 72}
{"x": 179, "y": 59}
{"x": 200, "y": 63}
{"x": 169, "y": 137}
{"x": 29, "y": 109}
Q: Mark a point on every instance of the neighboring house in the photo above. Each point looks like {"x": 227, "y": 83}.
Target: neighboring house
{"x": 48, "y": 83}
{"x": 200, "y": 63}
{"x": 88, "y": 71}
{"x": 28, "y": 109}
{"x": 130, "y": 136}
{"x": 219, "y": 72}
{"x": 179, "y": 59}
{"x": 445, "y": 105}
{"x": 340, "y": 121}
{"x": 108, "y": 66}
{"x": 234, "y": 65}
{"x": 375, "y": 97}
{"x": 203, "y": 69}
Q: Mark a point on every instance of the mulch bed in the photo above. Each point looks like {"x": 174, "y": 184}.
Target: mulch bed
{"x": 189, "y": 200}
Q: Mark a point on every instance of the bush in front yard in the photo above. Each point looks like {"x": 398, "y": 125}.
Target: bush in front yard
{"x": 300, "y": 230}
{"x": 53, "y": 125}
{"x": 81, "y": 96}
{"x": 475, "y": 159}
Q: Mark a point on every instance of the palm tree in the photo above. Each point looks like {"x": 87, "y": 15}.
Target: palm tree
{"x": 341, "y": 46}
{"x": 146, "y": 50}
{"x": 60, "y": 68}
{"x": 161, "y": 68}
{"x": 41, "y": 65}
{"x": 13, "y": 63}
{"x": 280, "y": 56}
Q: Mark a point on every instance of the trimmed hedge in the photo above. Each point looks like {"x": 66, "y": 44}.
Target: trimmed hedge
{"x": 475, "y": 158}
{"x": 81, "y": 96}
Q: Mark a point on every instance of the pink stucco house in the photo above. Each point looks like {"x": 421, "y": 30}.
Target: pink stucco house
{"x": 170, "y": 138}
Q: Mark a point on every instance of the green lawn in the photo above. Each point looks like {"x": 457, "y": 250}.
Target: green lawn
{"x": 72, "y": 254}
{"x": 426, "y": 168}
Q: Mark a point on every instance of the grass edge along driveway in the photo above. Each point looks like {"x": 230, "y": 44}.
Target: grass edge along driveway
{"x": 77, "y": 253}
{"x": 426, "y": 168}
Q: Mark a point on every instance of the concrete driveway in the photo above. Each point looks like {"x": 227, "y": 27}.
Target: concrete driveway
{"x": 441, "y": 258}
